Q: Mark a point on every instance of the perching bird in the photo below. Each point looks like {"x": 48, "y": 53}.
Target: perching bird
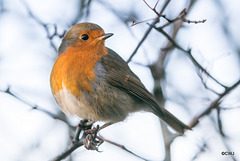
{"x": 93, "y": 82}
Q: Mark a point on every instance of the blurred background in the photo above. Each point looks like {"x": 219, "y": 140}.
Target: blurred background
{"x": 34, "y": 129}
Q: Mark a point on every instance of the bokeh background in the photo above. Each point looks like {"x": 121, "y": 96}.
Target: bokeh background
{"x": 32, "y": 128}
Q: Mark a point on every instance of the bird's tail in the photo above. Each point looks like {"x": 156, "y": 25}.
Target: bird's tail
{"x": 172, "y": 121}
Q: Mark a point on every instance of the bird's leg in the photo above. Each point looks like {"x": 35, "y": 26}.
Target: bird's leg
{"x": 92, "y": 130}
{"x": 83, "y": 125}
{"x": 92, "y": 141}
{"x": 105, "y": 125}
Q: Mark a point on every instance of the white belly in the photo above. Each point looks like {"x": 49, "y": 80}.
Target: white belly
{"x": 108, "y": 105}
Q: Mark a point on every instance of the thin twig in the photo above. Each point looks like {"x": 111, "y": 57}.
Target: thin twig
{"x": 142, "y": 40}
{"x": 189, "y": 52}
{"x": 148, "y": 31}
{"x": 200, "y": 72}
{"x": 191, "y": 21}
{"x": 154, "y": 8}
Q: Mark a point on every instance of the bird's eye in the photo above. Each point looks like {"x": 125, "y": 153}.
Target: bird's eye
{"x": 84, "y": 37}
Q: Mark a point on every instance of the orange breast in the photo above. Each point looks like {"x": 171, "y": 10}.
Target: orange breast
{"x": 75, "y": 70}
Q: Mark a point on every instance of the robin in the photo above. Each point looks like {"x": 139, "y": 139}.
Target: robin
{"x": 93, "y": 82}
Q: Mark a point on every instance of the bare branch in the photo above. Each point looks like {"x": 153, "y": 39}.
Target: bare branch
{"x": 2, "y": 7}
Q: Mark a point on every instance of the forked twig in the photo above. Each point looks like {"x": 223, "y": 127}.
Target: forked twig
{"x": 148, "y": 31}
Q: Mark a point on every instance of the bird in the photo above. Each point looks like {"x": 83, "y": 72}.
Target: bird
{"x": 92, "y": 82}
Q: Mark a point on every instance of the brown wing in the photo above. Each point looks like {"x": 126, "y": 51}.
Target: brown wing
{"x": 120, "y": 75}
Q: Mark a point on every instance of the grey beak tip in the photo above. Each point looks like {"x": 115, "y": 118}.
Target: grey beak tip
{"x": 106, "y": 35}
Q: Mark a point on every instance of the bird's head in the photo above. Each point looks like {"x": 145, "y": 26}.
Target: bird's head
{"x": 84, "y": 36}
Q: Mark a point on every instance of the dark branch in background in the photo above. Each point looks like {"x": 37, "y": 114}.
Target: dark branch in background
{"x": 83, "y": 11}
{"x": 224, "y": 137}
{"x": 226, "y": 27}
{"x": 159, "y": 64}
{"x": 214, "y": 104}
{"x": 158, "y": 73}
{"x": 202, "y": 149}
{"x": 2, "y": 8}
{"x": 228, "y": 148}
{"x": 36, "y": 107}
{"x": 219, "y": 121}
{"x": 189, "y": 53}
{"x": 45, "y": 27}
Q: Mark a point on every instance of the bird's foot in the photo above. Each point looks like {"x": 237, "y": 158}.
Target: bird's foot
{"x": 92, "y": 141}
{"x": 82, "y": 126}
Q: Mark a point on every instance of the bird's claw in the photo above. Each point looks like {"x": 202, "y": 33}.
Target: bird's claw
{"x": 83, "y": 125}
{"x": 92, "y": 141}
